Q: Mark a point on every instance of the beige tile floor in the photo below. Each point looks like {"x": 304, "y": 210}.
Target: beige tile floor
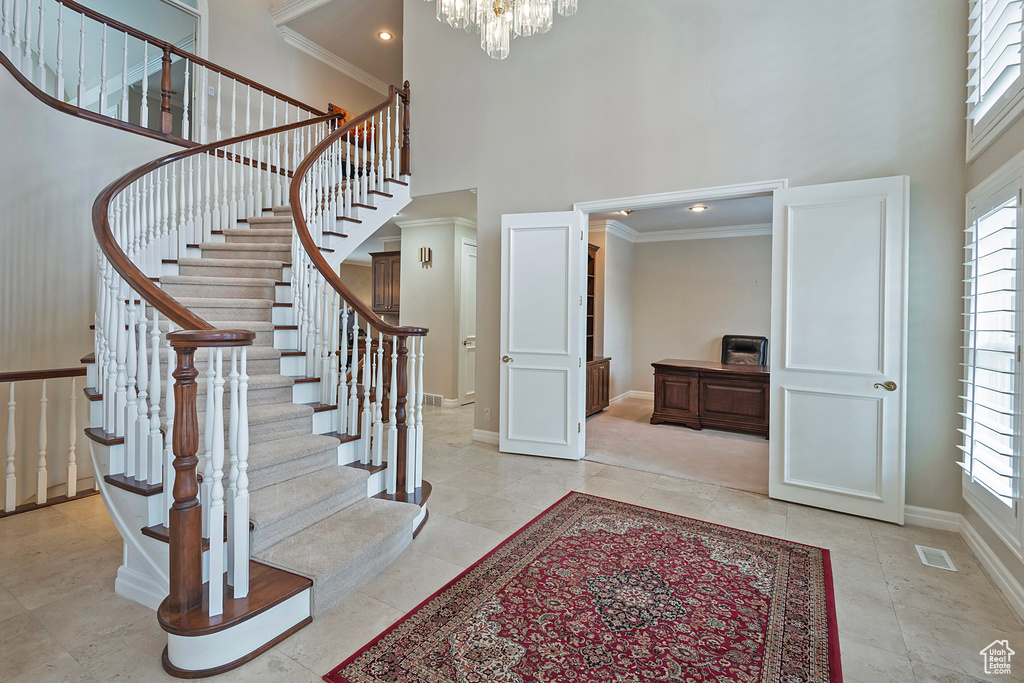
{"x": 898, "y": 620}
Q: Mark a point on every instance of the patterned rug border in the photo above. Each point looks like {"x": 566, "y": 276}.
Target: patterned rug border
{"x": 834, "y": 660}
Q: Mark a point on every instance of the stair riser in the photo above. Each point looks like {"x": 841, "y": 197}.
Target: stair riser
{"x": 262, "y": 477}
{"x": 256, "y": 237}
{"x": 262, "y": 538}
{"x": 268, "y": 273}
{"x": 259, "y": 397}
{"x": 219, "y": 291}
{"x": 270, "y": 252}
{"x": 264, "y": 431}
{"x": 219, "y": 313}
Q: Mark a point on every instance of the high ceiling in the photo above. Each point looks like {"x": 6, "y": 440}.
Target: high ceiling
{"x": 720, "y": 214}
{"x": 349, "y": 29}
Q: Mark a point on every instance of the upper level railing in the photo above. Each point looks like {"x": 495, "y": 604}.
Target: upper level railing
{"x": 102, "y": 69}
{"x": 356, "y": 163}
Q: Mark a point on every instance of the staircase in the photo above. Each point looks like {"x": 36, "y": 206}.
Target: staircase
{"x": 256, "y": 430}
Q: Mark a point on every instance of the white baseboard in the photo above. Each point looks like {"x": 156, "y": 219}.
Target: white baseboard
{"x": 134, "y": 585}
{"x": 932, "y": 519}
{"x": 451, "y": 403}
{"x": 646, "y": 395}
{"x": 619, "y": 399}
{"x": 485, "y": 436}
{"x": 1006, "y": 582}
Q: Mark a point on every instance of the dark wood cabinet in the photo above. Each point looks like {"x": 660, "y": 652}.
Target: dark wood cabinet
{"x": 386, "y": 271}
{"x": 708, "y": 394}
{"x": 598, "y": 369}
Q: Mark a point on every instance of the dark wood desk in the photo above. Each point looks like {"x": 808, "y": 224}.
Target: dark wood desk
{"x": 708, "y": 394}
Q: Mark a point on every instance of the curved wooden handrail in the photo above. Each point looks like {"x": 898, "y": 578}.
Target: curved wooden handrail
{"x": 53, "y": 373}
{"x": 312, "y": 251}
{"x": 137, "y": 280}
{"x": 152, "y": 40}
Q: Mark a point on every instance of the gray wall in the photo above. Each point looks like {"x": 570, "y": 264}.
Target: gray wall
{"x": 687, "y": 294}
{"x": 705, "y": 93}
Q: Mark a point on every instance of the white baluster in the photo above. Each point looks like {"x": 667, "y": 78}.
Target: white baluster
{"x": 216, "y": 456}
{"x": 240, "y": 532}
{"x": 41, "y": 474}
{"x": 59, "y": 89}
{"x": 261, "y": 198}
{"x": 366, "y": 430}
{"x": 5, "y": 33}
{"x": 419, "y": 416}
{"x": 353, "y": 395}
{"x": 81, "y": 66}
{"x": 10, "y": 499}
{"x": 185, "y": 103}
{"x": 208, "y": 438}
{"x": 389, "y": 169}
{"x": 229, "y": 499}
{"x": 72, "y": 485}
{"x": 234, "y": 105}
{"x": 103, "y": 73}
{"x": 131, "y": 409}
{"x": 155, "y": 447}
{"x": 203, "y": 100}
{"x": 333, "y": 358}
{"x": 168, "y": 496}
{"x": 144, "y": 108}
{"x": 398, "y": 138}
{"x": 142, "y": 404}
{"x": 413, "y": 427}
{"x": 342, "y": 427}
{"x": 392, "y": 471}
{"x": 123, "y": 109}
{"x": 27, "y": 62}
{"x": 219, "y": 82}
{"x": 41, "y": 45}
{"x": 378, "y": 416}
{"x": 16, "y": 44}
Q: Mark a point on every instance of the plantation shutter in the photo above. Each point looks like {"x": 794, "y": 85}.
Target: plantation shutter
{"x": 994, "y": 53}
{"x": 992, "y": 297}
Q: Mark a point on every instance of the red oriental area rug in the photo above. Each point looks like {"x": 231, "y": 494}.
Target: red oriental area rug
{"x": 595, "y": 590}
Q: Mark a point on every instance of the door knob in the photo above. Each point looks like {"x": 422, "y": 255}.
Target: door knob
{"x": 506, "y": 359}
{"x": 888, "y": 386}
{"x": 466, "y": 342}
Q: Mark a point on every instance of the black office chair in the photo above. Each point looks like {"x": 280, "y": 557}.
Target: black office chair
{"x": 740, "y": 349}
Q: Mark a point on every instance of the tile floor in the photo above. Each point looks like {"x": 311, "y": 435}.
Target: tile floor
{"x": 898, "y": 620}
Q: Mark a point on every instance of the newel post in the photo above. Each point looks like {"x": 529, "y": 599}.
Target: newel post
{"x": 405, "y": 131}
{"x": 401, "y": 423}
{"x": 186, "y": 517}
{"x": 165, "y": 92}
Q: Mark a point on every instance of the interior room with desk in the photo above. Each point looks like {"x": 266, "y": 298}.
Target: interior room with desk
{"x": 666, "y": 286}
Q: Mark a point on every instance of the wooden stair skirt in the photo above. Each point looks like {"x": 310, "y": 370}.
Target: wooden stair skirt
{"x": 277, "y": 606}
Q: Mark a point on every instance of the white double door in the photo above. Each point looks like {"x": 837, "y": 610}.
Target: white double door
{"x": 838, "y": 344}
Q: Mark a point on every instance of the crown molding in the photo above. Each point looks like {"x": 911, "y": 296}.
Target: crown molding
{"x": 390, "y": 240}
{"x": 444, "y": 222}
{"x": 614, "y": 228}
{"x": 293, "y": 9}
{"x": 705, "y": 233}
{"x": 317, "y": 51}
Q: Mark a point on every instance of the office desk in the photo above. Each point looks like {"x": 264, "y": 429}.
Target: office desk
{"x": 708, "y": 394}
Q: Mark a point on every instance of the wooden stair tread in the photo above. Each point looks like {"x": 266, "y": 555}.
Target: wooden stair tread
{"x": 103, "y": 438}
{"x": 88, "y": 358}
{"x": 267, "y": 587}
{"x": 350, "y": 220}
{"x": 396, "y": 181}
{"x": 364, "y": 206}
{"x": 372, "y": 469}
{"x": 304, "y": 380}
{"x": 92, "y": 394}
{"x": 163, "y": 534}
{"x": 335, "y": 234}
{"x": 319, "y": 407}
{"x": 143, "y": 488}
{"x": 419, "y": 497}
{"x": 382, "y": 194}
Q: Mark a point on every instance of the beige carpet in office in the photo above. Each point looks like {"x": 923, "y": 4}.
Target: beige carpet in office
{"x": 622, "y": 435}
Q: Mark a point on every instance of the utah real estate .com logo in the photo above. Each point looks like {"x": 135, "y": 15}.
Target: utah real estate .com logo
{"x": 997, "y": 657}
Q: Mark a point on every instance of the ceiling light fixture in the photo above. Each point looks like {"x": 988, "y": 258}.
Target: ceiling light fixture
{"x": 626, "y": 212}
{"x": 499, "y": 21}
{"x": 385, "y": 35}
{"x": 697, "y": 208}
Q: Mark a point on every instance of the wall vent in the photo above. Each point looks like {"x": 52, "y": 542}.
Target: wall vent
{"x": 433, "y": 400}
{"x": 933, "y": 557}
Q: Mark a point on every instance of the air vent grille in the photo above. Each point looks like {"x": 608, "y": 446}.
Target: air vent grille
{"x": 433, "y": 400}
{"x": 933, "y": 557}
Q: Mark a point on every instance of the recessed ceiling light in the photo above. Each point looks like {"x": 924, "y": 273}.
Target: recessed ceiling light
{"x": 626, "y": 212}
{"x": 698, "y": 208}
{"x": 385, "y": 35}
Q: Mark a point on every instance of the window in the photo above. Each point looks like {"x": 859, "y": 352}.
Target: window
{"x": 992, "y": 398}
{"x": 994, "y": 83}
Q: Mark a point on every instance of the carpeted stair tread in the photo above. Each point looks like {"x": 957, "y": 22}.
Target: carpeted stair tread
{"x": 198, "y": 302}
{"x": 246, "y": 251}
{"x": 230, "y": 263}
{"x": 262, "y": 232}
{"x": 272, "y": 220}
{"x": 271, "y": 462}
{"x": 284, "y": 508}
{"x": 204, "y": 280}
{"x": 213, "y": 309}
{"x": 346, "y": 549}
{"x": 278, "y": 412}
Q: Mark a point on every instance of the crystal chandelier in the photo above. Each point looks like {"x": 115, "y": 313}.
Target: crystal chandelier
{"x": 499, "y": 21}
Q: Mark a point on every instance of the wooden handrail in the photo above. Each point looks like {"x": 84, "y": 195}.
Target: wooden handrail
{"x": 295, "y": 196}
{"x": 169, "y": 48}
{"x": 54, "y": 373}
{"x": 142, "y": 285}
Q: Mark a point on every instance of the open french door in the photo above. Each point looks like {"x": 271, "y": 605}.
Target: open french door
{"x": 542, "y": 376}
{"x": 838, "y": 359}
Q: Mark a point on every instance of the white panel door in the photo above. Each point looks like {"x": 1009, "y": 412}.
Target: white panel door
{"x": 838, "y": 358}
{"x": 467, "y": 324}
{"x": 542, "y": 387}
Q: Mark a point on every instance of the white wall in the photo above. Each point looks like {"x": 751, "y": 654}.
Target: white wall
{"x": 629, "y": 98}
{"x": 687, "y": 294}
{"x": 615, "y": 305}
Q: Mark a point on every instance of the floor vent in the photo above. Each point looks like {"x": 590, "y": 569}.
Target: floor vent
{"x": 433, "y": 400}
{"x": 933, "y": 557}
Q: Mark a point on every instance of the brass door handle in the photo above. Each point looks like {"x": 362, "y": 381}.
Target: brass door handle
{"x": 466, "y": 342}
{"x": 888, "y": 386}
{"x": 506, "y": 359}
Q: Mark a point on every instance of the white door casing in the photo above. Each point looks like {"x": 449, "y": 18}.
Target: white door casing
{"x": 839, "y": 318}
{"x": 542, "y": 386}
{"x": 467, "y": 324}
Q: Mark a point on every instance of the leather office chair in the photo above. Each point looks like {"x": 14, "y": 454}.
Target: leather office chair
{"x": 740, "y": 349}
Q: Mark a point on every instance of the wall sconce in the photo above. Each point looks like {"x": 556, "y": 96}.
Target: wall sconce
{"x": 425, "y": 256}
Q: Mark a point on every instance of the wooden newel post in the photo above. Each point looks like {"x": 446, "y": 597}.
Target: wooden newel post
{"x": 405, "y": 131}
{"x": 402, "y": 389}
{"x": 186, "y": 517}
{"x": 165, "y": 92}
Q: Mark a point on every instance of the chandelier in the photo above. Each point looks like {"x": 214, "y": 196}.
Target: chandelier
{"x": 499, "y": 21}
